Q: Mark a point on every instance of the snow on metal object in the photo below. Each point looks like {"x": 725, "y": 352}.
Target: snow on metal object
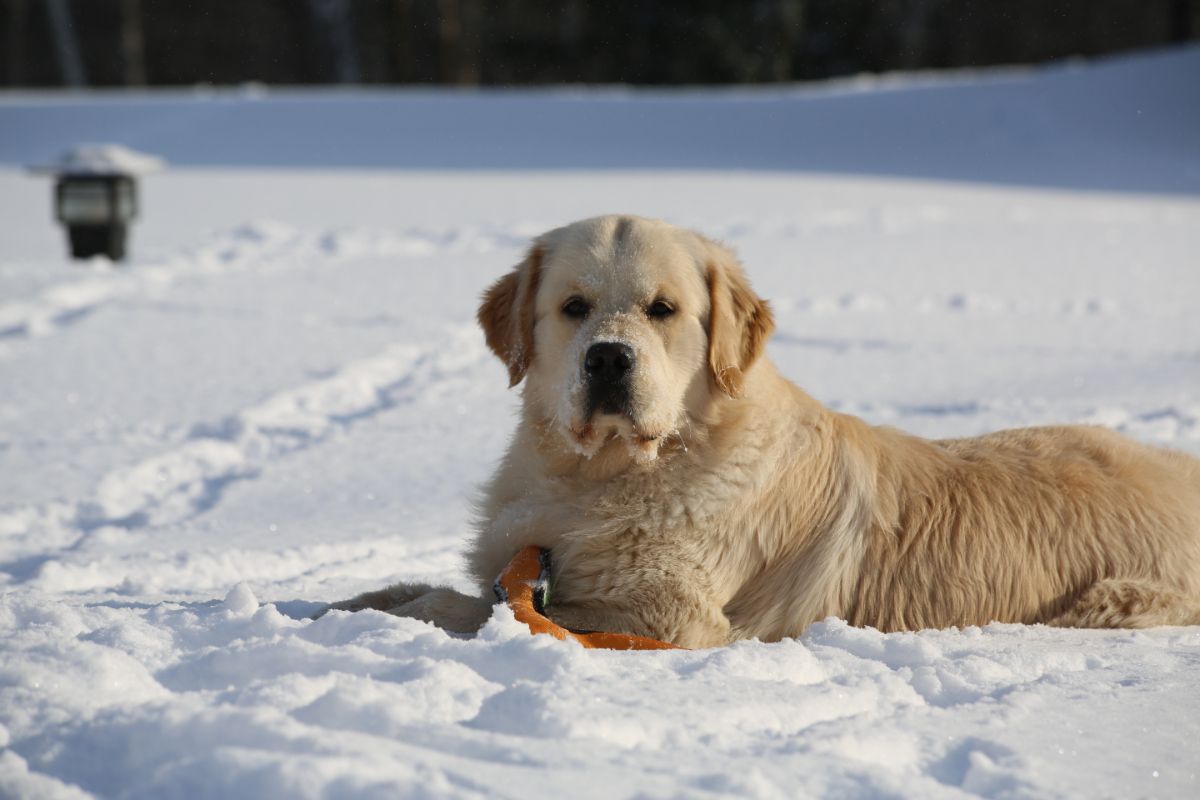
{"x": 101, "y": 159}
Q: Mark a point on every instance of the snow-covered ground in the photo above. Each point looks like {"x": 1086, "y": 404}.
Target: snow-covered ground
{"x": 283, "y": 400}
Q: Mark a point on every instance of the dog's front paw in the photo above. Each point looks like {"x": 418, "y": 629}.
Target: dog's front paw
{"x": 448, "y": 609}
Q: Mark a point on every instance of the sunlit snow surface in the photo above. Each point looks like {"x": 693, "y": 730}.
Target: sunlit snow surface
{"x": 283, "y": 400}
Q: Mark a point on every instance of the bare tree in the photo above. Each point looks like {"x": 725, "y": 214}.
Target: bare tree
{"x": 65, "y": 45}
{"x": 15, "y": 46}
{"x": 458, "y": 41}
{"x": 1182, "y": 12}
{"x": 334, "y": 21}
{"x": 133, "y": 43}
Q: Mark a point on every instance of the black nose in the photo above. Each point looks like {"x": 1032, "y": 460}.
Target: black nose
{"x": 608, "y": 362}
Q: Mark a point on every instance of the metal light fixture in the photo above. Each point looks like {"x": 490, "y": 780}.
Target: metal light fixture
{"x": 97, "y": 210}
{"x": 95, "y": 196}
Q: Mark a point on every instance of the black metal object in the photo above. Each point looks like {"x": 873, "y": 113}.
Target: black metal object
{"x": 96, "y": 210}
{"x": 98, "y": 240}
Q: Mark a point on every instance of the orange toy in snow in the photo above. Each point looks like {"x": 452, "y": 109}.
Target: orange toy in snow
{"x": 524, "y": 584}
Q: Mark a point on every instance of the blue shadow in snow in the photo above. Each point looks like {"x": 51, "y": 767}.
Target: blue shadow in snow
{"x": 1128, "y": 124}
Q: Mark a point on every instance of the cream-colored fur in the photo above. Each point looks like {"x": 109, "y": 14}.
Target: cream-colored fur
{"x": 729, "y": 504}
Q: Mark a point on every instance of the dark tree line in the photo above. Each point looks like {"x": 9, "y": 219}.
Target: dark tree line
{"x": 183, "y": 42}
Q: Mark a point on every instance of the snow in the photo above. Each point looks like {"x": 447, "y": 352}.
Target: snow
{"x": 283, "y": 400}
{"x": 1045, "y": 127}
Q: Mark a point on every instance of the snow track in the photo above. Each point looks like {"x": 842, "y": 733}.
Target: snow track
{"x": 175, "y": 485}
{"x": 262, "y": 246}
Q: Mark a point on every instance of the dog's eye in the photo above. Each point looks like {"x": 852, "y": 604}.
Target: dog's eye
{"x": 660, "y": 309}
{"x": 576, "y": 308}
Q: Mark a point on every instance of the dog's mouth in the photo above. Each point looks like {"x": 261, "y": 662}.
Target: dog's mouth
{"x": 599, "y": 429}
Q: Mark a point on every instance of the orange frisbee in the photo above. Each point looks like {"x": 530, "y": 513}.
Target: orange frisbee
{"x": 523, "y": 586}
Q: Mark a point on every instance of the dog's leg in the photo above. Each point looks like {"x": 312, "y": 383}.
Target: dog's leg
{"x": 445, "y": 608}
{"x": 1129, "y": 604}
{"x": 382, "y": 599}
{"x": 448, "y": 609}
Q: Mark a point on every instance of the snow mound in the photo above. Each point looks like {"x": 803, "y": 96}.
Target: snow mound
{"x": 237, "y": 699}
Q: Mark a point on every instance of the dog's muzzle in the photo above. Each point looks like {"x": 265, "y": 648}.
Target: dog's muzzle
{"x": 608, "y": 366}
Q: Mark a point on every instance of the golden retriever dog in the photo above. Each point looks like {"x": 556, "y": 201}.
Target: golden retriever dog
{"x": 689, "y": 492}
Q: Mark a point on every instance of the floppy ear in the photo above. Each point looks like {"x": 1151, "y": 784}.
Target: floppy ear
{"x": 739, "y": 322}
{"x": 506, "y": 315}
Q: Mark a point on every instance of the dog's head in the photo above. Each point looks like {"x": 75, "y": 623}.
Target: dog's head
{"x": 624, "y": 328}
